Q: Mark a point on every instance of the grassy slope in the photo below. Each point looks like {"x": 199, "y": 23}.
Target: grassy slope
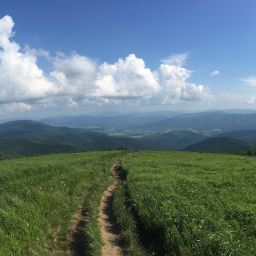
{"x": 195, "y": 204}
{"x": 39, "y": 196}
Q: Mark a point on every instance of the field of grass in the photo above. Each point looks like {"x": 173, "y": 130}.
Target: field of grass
{"x": 171, "y": 203}
{"x": 190, "y": 203}
{"x": 39, "y": 196}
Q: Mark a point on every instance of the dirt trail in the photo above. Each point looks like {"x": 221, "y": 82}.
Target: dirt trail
{"x": 110, "y": 230}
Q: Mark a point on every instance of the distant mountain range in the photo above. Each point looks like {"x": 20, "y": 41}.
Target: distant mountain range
{"x": 101, "y": 123}
{"x": 174, "y": 140}
{"x": 22, "y": 133}
{"x": 208, "y": 122}
{"x": 208, "y": 131}
{"x": 25, "y": 137}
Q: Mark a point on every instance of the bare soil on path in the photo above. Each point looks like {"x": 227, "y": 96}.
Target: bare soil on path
{"x": 110, "y": 229}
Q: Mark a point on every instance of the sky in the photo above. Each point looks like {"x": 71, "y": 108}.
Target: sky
{"x": 73, "y": 57}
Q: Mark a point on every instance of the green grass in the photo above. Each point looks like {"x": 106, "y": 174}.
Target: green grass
{"x": 123, "y": 213}
{"x": 194, "y": 203}
{"x": 39, "y": 196}
{"x": 183, "y": 203}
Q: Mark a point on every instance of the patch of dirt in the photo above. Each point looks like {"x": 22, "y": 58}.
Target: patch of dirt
{"x": 110, "y": 229}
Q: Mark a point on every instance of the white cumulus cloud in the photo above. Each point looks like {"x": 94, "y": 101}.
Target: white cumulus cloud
{"x": 176, "y": 59}
{"x": 127, "y": 77}
{"x": 20, "y": 77}
{"x": 174, "y": 80}
{"x": 79, "y": 80}
{"x": 74, "y": 74}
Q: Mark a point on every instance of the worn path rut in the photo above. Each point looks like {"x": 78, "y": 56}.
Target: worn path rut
{"x": 110, "y": 229}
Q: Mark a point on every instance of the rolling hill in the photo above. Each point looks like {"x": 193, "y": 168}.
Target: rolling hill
{"x": 248, "y": 136}
{"x": 174, "y": 140}
{"x": 25, "y": 137}
{"x": 100, "y": 123}
{"x": 220, "y": 145}
{"x": 206, "y": 121}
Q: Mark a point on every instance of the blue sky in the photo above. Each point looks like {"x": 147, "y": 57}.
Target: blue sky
{"x": 211, "y": 36}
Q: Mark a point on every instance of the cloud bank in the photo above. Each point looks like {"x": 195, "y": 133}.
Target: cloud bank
{"x": 77, "y": 80}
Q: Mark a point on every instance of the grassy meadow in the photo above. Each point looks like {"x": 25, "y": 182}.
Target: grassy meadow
{"x": 39, "y": 196}
{"x": 170, "y": 203}
{"x": 189, "y": 203}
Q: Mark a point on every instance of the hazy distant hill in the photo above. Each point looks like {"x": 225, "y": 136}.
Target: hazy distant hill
{"x": 220, "y": 145}
{"x": 211, "y": 123}
{"x": 27, "y": 137}
{"x": 207, "y": 121}
{"x": 35, "y": 132}
{"x": 175, "y": 140}
{"x": 247, "y": 136}
{"x": 120, "y": 122}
